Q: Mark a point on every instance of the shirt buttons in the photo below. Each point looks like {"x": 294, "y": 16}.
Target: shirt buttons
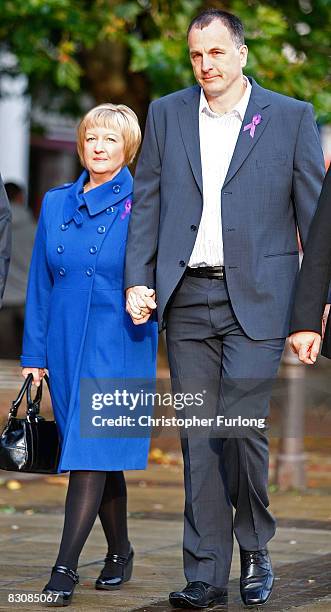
{"x": 116, "y": 189}
{"x": 62, "y": 271}
{"x": 109, "y": 210}
{"x": 64, "y": 227}
{"x": 89, "y": 271}
{"x": 60, "y": 248}
{"x": 194, "y": 228}
{"x": 182, "y": 263}
{"x": 93, "y": 249}
{"x": 101, "y": 229}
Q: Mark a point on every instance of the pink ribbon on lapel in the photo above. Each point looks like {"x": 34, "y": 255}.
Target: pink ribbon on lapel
{"x": 251, "y": 126}
{"x": 127, "y": 209}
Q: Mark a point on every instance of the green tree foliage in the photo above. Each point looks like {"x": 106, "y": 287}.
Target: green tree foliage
{"x": 138, "y": 48}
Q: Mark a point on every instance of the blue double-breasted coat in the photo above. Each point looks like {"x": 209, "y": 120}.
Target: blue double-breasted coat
{"x": 76, "y": 325}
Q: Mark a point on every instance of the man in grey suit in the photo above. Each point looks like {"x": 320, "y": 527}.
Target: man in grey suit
{"x": 227, "y": 174}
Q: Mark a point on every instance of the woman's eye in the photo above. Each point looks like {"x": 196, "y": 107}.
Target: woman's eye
{"x": 90, "y": 138}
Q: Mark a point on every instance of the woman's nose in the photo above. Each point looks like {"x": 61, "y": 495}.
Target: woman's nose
{"x": 98, "y": 145}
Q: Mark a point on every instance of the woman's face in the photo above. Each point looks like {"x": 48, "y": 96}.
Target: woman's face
{"x": 103, "y": 151}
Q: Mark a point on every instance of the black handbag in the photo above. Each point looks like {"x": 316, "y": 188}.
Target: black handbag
{"x": 29, "y": 444}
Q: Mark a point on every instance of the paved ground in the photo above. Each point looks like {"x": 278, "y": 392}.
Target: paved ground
{"x": 30, "y": 527}
{"x": 31, "y": 521}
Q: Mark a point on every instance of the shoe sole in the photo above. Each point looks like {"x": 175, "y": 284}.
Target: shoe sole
{"x": 177, "y": 602}
{"x": 59, "y": 603}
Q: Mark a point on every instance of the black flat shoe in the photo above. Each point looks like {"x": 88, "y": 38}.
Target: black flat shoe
{"x": 57, "y": 597}
{"x": 120, "y": 570}
{"x": 257, "y": 578}
{"x": 198, "y": 595}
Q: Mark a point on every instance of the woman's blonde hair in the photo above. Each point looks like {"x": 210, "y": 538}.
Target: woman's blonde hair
{"x": 112, "y": 116}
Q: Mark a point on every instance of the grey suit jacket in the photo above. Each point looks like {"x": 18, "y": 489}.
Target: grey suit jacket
{"x": 271, "y": 188}
{"x": 5, "y": 237}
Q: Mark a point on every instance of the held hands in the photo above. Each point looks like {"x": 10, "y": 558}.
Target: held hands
{"x": 140, "y": 303}
{"x": 38, "y": 374}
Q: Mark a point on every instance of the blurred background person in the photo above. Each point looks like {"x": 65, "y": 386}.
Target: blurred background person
{"x": 310, "y": 319}
{"x": 5, "y": 238}
{"x": 23, "y": 232}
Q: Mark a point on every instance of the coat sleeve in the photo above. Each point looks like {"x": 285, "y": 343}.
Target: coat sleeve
{"x": 5, "y": 237}
{"x": 315, "y": 274}
{"x": 308, "y": 172}
{"x": 39, "y": 289}
{"x": 142, "y": 240}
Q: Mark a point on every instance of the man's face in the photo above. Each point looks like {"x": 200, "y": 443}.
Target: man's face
{"x": 216, "y": 60}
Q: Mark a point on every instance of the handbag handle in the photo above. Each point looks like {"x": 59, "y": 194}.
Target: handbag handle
{"x": 33, "y": 405}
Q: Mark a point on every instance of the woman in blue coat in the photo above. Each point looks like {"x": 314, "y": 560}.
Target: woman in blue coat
{"x": 76, "y": 326}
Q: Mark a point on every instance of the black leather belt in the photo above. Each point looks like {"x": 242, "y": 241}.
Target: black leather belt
{"x": 207, "y": 272}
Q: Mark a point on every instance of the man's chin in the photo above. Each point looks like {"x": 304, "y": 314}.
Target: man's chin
{"x": 212, "y": 90}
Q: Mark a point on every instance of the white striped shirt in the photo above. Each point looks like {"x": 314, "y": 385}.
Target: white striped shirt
{"x": 218, "y": 137}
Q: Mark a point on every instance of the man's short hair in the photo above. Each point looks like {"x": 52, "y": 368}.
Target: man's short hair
{"x": 230, "y": 21}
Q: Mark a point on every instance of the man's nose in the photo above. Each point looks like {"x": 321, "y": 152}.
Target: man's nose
{"x": 206, "y": 64}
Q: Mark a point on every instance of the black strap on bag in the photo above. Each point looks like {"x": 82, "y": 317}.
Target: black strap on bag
{"x": 30, "y": 444}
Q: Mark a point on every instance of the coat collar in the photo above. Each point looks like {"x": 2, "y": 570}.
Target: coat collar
{"x": 99, "y": 198}
{"x": 188, "y": 114}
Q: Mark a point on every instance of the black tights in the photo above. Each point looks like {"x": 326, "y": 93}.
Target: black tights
{"x": 90, "y": 493}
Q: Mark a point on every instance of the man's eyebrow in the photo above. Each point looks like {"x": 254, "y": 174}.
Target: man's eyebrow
{"x": 217, "y": 48}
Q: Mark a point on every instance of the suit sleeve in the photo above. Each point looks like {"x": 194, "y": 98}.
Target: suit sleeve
{"x": 39, "y": 289}
{"x": 308, "y": 172}
{"x": 5, "y": 238}
{"x": 315, "y": 274}
{"x": 143, "y": 232}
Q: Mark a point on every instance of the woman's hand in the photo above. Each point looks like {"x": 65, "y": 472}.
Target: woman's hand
{"x": 38, "y": 374}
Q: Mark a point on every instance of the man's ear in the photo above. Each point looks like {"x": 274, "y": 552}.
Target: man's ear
{"x": 243, "y": 52}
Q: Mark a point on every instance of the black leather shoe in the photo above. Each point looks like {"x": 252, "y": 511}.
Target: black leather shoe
{"x": 257, "y": 578}
{"x": 120, "y": 570}
{"x": 61, "y": 598}
{"x": 198, "y": 595}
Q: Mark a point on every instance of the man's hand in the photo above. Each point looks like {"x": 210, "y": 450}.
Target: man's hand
{"x": 140, "y": 303}
{"x": 306, "y": 344}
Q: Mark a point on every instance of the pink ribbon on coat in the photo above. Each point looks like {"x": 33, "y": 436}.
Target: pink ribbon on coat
{"x": 127, "y": 209}
{"x": 251, "y": 126}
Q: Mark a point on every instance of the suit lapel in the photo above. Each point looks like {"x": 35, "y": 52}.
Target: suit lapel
{"x": 188, "y": 116}
{"x": 259, "y": 103}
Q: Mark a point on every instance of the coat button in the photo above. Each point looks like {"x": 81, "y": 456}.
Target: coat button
{"x": 89, "y": 271}
{"x": 101, "y": 229}
{"x": 60, "y": 248}
{"x": 182, "y": 263}
{"x": 93, "y": 249}
{"x": 116, "y": 189}
{"x": 194, "y": 228}
{"x": 109, "y": 210}
{"x": 64, "y": 227}
{"x": 62, "y": 271}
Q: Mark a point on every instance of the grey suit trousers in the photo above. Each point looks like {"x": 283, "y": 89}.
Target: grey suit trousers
{"x": 225, "y": 470}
